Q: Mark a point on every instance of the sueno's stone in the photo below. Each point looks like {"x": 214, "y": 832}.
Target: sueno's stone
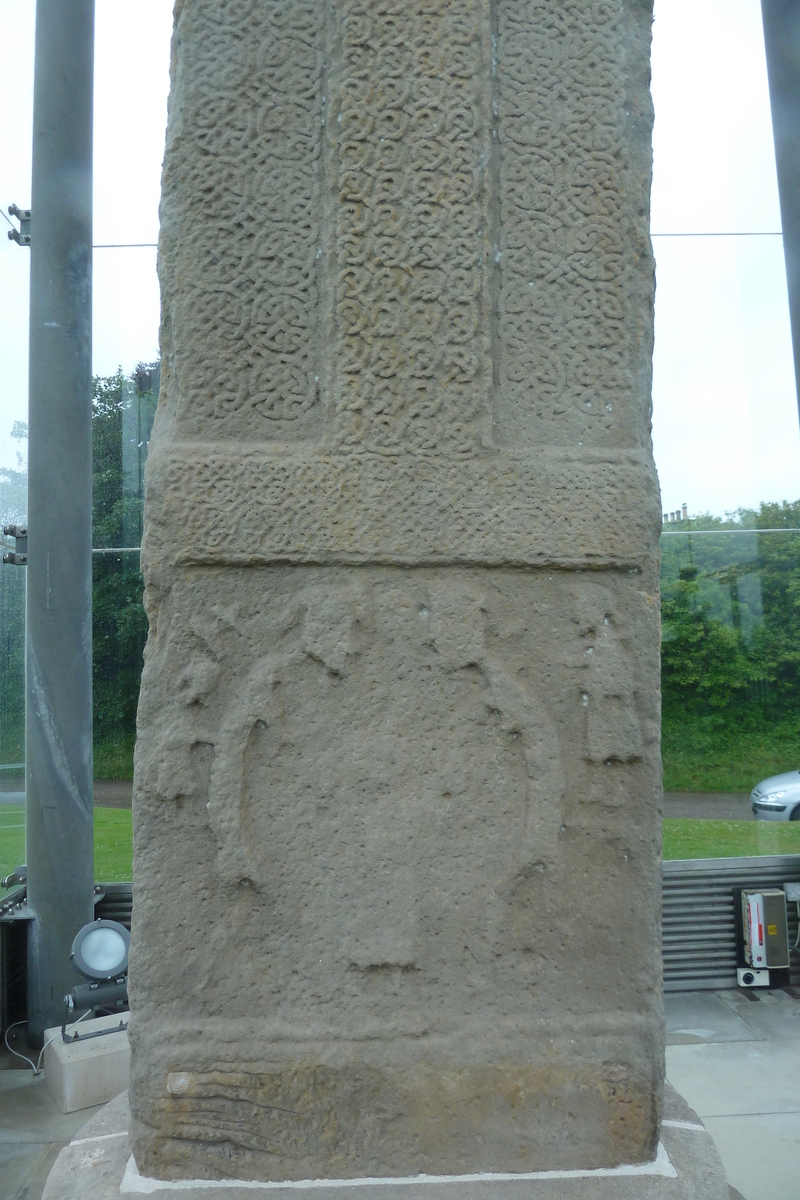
{"x": 397, "y": 775}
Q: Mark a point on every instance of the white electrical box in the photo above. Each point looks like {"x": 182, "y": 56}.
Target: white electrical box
{"x": 765, "y": 928}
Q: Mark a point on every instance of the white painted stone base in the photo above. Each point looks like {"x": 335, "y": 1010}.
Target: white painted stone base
{"x": 134, "y": 1184}
{"x": 88, "y": 1071}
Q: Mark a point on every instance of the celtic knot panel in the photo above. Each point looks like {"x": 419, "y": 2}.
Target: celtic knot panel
{"x": 400, "y": 225}
{"x": 411, "y": 136}
{"x": 241, "y": 219}
{"x": 574, "y": 302}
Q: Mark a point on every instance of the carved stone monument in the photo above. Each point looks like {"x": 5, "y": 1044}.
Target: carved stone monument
{"x": 397, "y": 781}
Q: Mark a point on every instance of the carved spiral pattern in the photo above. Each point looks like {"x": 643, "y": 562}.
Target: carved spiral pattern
{"x": 242, "y": 187}
{"x": 407, "y": 228}
{"x": 411, "y": 138}
{"x": 567, "y": 325}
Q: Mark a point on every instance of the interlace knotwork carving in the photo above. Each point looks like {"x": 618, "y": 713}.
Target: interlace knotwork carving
{"x": 241, "y": 295}
{"x": 411, "y": 131}
{"x": 569, "y": 291}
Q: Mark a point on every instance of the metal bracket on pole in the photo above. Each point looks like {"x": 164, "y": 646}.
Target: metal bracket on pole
{"x": 21, "y": 236}
{"x": 19, "y": 555}
{"x": 84, "y": 1037}
{"x": 17, "y": 878}
{"x": 14, "y": 907}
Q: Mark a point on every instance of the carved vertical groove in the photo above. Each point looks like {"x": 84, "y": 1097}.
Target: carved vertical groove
{"x": 494, "y": 211}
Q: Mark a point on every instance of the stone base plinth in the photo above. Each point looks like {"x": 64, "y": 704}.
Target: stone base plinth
{"x": 98, "y": 1165}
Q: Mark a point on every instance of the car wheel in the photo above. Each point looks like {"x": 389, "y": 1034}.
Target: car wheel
{"x": 795, "y": 816}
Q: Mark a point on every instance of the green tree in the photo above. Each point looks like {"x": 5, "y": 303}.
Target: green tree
{"x": 704, "y": 663}
{"x": 118, "y": 619}
{"x": 730, "y": 606}
{"x": 122, "y": 415}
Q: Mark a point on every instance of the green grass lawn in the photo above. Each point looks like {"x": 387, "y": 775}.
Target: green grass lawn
{"x": 729, "y": 839}
{"x": 113, "y": 846}
{"x": 113, "y": 843}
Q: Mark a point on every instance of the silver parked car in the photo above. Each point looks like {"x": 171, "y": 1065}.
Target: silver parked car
{"x": 777, "y": 798}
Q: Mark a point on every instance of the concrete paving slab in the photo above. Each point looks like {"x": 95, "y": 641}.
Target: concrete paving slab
{"x": 35, "y": 1184}
{"x": 29, "y": 1114}
{"x": 694, "y": 1017}
{"x": 761, "y": 1154}
{"x": 32, "y": 1131}
{"x": 777, "y": 1015}
{"x": 18, "y": 1163}
{"x": 726, "y": 1079}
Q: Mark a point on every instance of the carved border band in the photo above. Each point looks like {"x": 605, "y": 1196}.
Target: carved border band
{"x": 209, "y": 506}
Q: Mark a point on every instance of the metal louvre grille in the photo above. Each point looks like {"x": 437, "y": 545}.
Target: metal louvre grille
{"x": 13, "y": 972}
{"x": 698, "y": 937}
{"x": 115, "y": 902}
{"x": 698, "y": 941}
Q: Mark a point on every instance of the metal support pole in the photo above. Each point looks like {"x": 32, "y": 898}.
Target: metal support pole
{"x": 781, "y": 20}
{"x": 58, "y": 670}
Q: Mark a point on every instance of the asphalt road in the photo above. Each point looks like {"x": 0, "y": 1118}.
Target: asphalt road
{"x": 108, "y": 793}
{"x": 715, "y": 806}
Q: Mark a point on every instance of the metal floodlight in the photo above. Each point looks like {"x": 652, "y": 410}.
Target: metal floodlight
{"x": 100, "y": 950}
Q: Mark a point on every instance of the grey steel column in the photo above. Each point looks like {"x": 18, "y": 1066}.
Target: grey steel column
{"x": 782, "y": 40}
{"x": 58, "y": 749}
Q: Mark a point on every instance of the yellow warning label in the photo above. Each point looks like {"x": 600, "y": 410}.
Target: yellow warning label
{"x": 772, "y": 930}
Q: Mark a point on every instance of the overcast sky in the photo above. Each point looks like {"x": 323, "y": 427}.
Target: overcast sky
{"x": 725, "y": 421}
{"x": 725, "y": 418}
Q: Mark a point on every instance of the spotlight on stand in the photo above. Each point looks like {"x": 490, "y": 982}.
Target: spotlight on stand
{"x": 100, "y": 952}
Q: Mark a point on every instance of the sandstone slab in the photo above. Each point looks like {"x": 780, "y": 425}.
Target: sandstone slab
{"x": 398, "y": 760}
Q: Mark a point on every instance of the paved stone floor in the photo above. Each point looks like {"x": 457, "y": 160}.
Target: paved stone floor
{"x": 735, "y": 1057}
{"x": 33, "y": 1130}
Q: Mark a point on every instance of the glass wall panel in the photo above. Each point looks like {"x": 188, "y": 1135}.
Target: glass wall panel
{"x": 730, "y": 606}
{"x": 132, "y": 46}
{"x": 726, "y": 435}
{"x": 124, "y": 409}
{"x": 725, "y": 417}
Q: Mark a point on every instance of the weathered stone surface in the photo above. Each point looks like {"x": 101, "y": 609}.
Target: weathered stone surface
{"x": 98, "y": 1165}
{"x": 398, "y": 775}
